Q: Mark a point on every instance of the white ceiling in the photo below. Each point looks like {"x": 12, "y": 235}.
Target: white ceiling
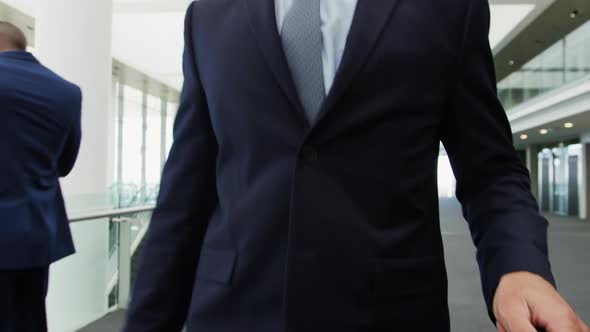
{"x": 148, "y": 34}
{"x": 158, "y": 6}
{"x": 505, "y": 18}
{"x": 151, "y": 42}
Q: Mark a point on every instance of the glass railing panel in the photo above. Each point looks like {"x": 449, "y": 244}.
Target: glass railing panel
{"x": 564, "y": 62}
{"x": 78, "y": 283}
{"x": 98, "y": 277}
{"x": 126, "y": 195}
{"x": 79, "y": 204}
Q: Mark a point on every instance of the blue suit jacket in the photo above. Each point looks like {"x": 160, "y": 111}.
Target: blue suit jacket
{"x": 265, "y": 223}
{"x": 39, "y": 141}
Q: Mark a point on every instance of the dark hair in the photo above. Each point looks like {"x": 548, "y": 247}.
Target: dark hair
{"x": 13, "y": 35}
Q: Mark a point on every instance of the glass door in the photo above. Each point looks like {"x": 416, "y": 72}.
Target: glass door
{"x": 560, "y": 185}
{"x": 545, "y": 183}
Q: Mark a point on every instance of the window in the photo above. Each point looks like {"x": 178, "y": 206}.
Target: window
{"x": 564, "y": 62}
{"x": 143, "y": 140}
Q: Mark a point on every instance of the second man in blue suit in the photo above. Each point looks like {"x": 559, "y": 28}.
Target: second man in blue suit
{"x": 39, "y": 141}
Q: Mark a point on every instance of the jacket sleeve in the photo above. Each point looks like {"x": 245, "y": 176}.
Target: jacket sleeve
{"x": 187, "y": 199}
{"x": 493, "y": 185}
{"x": 69, "y": 153}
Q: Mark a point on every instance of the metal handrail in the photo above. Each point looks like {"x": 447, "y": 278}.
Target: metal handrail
{"x": 112, "y": 213}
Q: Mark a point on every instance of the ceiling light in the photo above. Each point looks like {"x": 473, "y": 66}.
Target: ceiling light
{"x": 511, "y": 63}
{"x": 543, "y": 131}
{"x": 574, "y": 14}
{"x": 568, "y": 125}
{"x": 524, "y": 136}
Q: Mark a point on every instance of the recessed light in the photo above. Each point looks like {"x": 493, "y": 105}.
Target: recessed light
{"x": 511, "y": 63}
{"x": 524, "y": 136}
{"x": 574, "y": 14}
{"x": 568, "y": 125}
{"x": 543, "y": 131}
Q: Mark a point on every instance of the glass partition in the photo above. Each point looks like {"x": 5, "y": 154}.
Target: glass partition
{"x": 564, "y": 62}
{"x": 560, "y": 179}
{"x": 98, "y": 278}
{"x": 143, "y": 140}
{"x": 125, "y": 236}
{"x": 132, "y": 135}
{"x": 153, "y": 148}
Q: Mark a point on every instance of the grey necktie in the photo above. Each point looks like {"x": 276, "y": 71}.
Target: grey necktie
{"x": 302, "y": 41}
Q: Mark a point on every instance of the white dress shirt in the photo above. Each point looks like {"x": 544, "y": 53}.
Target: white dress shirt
{"x": 337, "y": 18}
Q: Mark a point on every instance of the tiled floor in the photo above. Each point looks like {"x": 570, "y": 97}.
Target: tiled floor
{"x": 569, "y": 241}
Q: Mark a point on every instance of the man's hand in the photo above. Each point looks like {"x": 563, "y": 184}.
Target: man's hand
{"x": 525, "y": 302}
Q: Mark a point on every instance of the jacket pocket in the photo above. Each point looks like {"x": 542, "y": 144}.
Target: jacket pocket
{"x": 216, "y": 265}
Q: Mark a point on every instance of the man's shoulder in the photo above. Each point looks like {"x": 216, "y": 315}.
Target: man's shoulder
{"x": 453, "y": 10}
{"x": 460, "y": 6}
{"x": 448, "y": 18}
{"x": 24, "y": 75}
{"x": 12, "y": 72}
{"x": 58, "y": 81}
{"x": 205, "y": 8}
{"x": 9, "y": 65}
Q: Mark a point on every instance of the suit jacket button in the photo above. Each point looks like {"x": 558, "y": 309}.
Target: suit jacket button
{"x": 310, "y": 153}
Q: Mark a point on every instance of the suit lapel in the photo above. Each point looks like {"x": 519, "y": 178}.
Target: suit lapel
{"x": 264, "y": 25}
{"x": 370, "y": 19}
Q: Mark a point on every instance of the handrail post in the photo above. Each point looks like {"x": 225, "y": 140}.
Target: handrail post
{"x": 124, "y": 261}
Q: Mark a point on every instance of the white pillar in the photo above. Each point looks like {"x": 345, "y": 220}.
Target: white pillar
{"x": 73, "y": 38}
{"x": 532, "y": 163}
{"x": 124, "y": 265}
{"x": 585, "y": 177}
{"x": 163, "y": 127}
{"x": 585, "y": 182}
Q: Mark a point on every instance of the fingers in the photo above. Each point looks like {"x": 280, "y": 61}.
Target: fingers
{"x": 500, "y": 327}
{"x": 523, "y": 301}
{"x": 515, "y": 318}
{"x": 521, "y": 325}
{"x": 566, "y": 321}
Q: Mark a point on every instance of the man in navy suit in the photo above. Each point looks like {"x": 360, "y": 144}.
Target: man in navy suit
{"x": 300, "y": 194}
{"x": 39, "y": 141}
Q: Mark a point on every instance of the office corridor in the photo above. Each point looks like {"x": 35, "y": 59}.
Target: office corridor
{"x": 569, "y": 241}
{"x": 569, "y": 246}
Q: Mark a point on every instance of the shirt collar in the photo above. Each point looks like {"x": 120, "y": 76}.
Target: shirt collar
{"x": 19, "y": 55}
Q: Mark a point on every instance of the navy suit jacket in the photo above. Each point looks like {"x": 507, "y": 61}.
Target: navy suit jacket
{"x": 266, "y": 223}
{"x": 39, "y": 141}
